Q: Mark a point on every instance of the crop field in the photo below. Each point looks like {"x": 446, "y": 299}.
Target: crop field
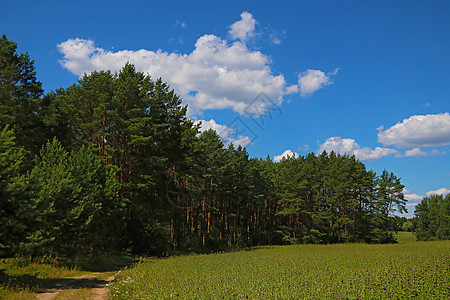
{"x": 409, "y": 269}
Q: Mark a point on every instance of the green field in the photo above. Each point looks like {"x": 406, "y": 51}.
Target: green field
{"x": 350, "y": 271}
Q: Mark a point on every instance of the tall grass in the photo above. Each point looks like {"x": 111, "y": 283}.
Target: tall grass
{"x": 352, "y": 271}
{"x": 22, "y": 279}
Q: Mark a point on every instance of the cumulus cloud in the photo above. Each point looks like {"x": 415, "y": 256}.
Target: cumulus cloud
{"x": 244, "y": 28}
{"x": 413, "y": 197}
{"x": 417, "y": 131}
{"x": 313, "y": 80}
{"x": 416, "y": 152}
{"x": 286, "y": 154}
{"x": 442, "y": 191}
{"x": 242, "y": 140}
{"x": 350, "y": 147}
{"x": 216, "y": 75}
{"x": 222, "y": 130}
{"x": 228, "y": 135}
{"x": 435, "y": 152}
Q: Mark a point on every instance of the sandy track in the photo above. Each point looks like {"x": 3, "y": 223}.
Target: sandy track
{"x": 98, "y": 287}
{"x": 100, "y": 292}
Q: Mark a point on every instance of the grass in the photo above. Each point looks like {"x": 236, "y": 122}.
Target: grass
{"x": 350, "y": 271}
{"x": 22, "y": 279}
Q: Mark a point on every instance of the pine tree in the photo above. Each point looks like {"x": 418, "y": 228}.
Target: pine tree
{"x": 388, "y": 199}
{"x": 14, "y": 205}
{"x": 140, "y": 130}
{"x": 20, "y": 94}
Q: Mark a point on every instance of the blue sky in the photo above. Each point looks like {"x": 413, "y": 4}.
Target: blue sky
{"x": 368, "y": 78}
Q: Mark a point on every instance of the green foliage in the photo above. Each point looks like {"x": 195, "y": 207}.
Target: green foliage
{"x": 350, "y": 271}
{"x": 408, "y": 226}
{"x": 332, "y": 198}
{"x": 14, "y": 207}
{"x": 390, "y": 198}
{"x": 432, "y": 216}
{"x": 19, "y": 96}
{"x": 75, "y": 203}
{"x": 138, "y": 128}
{"x": 399, "y": 221}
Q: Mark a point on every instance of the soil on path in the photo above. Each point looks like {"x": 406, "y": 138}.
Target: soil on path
{"x": 88, "y": 286}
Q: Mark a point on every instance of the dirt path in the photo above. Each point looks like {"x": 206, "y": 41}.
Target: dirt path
{"x": 89, "y": 286}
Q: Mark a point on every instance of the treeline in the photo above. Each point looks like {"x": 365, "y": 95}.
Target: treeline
{"x": 112, "y": 164}
{"x": 432, "y": 218}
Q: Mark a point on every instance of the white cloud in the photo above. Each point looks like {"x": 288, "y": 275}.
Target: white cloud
{"x": 416, "y": 152}
{"x": 313, "y": 80}
{"x": 222, "y": 130}
{"x": 413, "y": 197}
{"x": 417, "y": 131}
{"x": 292, "y": 89}
{"x": 180, "y": 24}
{"x": 226, "y": 134}
{"x": 241, "y": 140}
{"x": 435, "y": 152}
{"x": 216, "y": 75}
{"x": 442, "y": 191}
{"x": 244, "y": 28}
{"x": 276, "y": 40}
{"x": 276, "y": 37}
{"x": 278, "y": 158}
{"x": 304, "y": 147}
{"x": 350, "y": 147}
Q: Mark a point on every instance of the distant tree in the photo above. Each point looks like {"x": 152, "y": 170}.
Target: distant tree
{"x": 432, "y": 216}
{"x": 399, "y": 221}
{"x": 389, "y": 198}
{"x": 408, "y": 226}
{"x": 324, "y": 199}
